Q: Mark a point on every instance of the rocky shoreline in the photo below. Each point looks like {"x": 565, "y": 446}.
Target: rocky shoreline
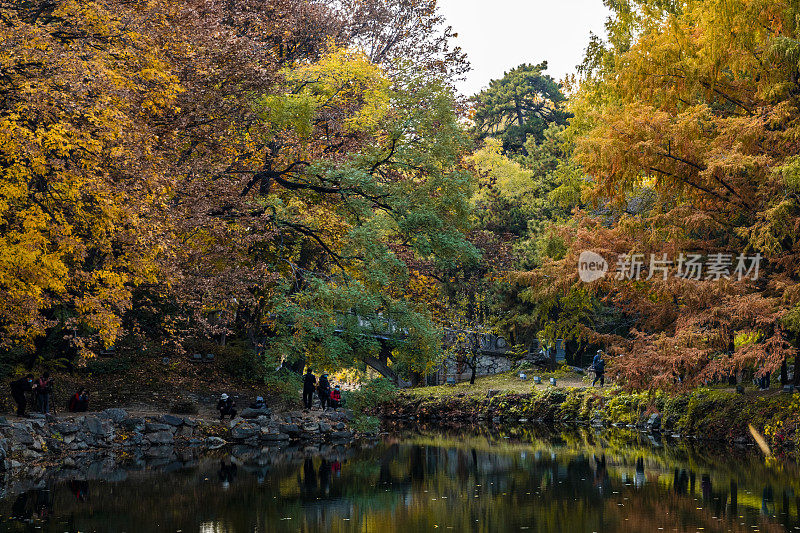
{"x": 47, "y": 440}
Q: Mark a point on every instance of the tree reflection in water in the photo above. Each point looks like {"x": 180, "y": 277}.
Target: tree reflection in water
{"x": 416, "y": 480}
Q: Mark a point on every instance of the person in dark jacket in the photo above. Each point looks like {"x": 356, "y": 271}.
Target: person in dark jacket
{"x": 324, "y": 390}
{"x": 18, "y": 390}
{"x": 226, "y": 406}
{"x": 599, "y": 367}
{"x": 44, "y": 387}
{"x": 259, "y": 403}
{"x": 309, "y": 381}
{"x": 79, "y": 402}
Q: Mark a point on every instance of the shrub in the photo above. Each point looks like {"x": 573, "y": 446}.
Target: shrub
{"x": 284, "y": 385}
{"x": 365, "y": 424}
{"x": 371, "y": 394}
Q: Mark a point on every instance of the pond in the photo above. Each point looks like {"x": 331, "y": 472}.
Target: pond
{"x": 420, "y": 479}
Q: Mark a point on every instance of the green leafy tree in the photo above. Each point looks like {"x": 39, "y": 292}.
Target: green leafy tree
{"x": 523, "y": 103}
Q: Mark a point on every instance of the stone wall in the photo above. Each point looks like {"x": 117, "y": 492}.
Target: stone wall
{"x": 487, "y": 364}
{"x": 44, "y": 439}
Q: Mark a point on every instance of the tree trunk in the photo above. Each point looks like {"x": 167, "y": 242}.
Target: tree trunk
{"x": 784, "y": 373}
{"x": 381, "y": 365}
{"x": 472, "y": 377}
{"x": 796, "y": 370}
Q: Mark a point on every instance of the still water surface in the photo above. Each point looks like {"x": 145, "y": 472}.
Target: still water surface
{"x": 522, "y": 479}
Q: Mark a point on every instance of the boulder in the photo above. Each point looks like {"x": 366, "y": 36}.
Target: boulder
{"x": 171, "y": 420}
{"x": 133, "y": 424}
{"x": 115, "y": 413}
{"x": 274, "y": 437}
{"x": 185, "y": 432}
{"x": 31, "y": 455}
{"x": 311, "y": 427}
{"x": 340, "y": 435}
{"x": 21, "y": 436}
{"x": 66, "y": 428}
{"x": 243, "y": 431}
{"x": 654, "y": 422}
{"x": 99, "y": 428}
{"x": 247, "y": 412}
{"x": 215, "y": 442}
{"x": 152, "y": 427}
{"x": 324, "y": 428}
{"x": 291, "y": 429}
{"x": 159, "y": 437}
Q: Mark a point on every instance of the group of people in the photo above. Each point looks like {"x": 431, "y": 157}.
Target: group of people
{"x": 40, "y": 388}
{"x": 227, "y": 406}
{"x": 328, "y": 397}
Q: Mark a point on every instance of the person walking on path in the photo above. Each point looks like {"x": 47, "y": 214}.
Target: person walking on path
{"x": 18, "y": 390}
{"x": 324, "y": 390}
{"x": 309, "y": 382}
{"x": 599, "y": 366}
{"x": 44, "y": 387}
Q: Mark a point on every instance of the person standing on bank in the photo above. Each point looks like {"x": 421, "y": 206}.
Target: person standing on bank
{"x": 18, "y": 390}
{"x": 44, "y": 387}
{"x": 309, "y": 382}
{"x": 324, "y": 390}
{"x": 599, "y": 367}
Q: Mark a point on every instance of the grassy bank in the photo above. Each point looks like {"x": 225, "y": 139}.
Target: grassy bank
{"x": 707, "y": 413}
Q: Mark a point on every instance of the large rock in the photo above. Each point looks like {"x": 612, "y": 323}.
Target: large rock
{"x": 21, "y": 436}
{"x": 93, "y": 425}
{"x": 340, "y": 435}
{"x": 66, "y": 428}
{"x": 215, "y": 442}
{"x": 654, "y": 422}
{"x": 185, "y": 432}
{"x": 172, "y": 420}
{"x": 243, "y": 431}
{"x": 115, "y": 413}
{"x": 160, "y": 437}
{"x": 152, "y": 427}
{"x": 291, "y": 429}
{"x": 247, "y": 412}
{"x": 133, "y": 424}
{"x": 274, "y": 437}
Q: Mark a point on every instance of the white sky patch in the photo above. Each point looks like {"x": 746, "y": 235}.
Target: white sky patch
{"x": 498, "y": 35}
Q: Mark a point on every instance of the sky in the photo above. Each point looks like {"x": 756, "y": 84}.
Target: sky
{"x": 498, "y": 35}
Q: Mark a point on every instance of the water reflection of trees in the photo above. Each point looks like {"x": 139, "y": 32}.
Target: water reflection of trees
{"x": 478, "y": 480}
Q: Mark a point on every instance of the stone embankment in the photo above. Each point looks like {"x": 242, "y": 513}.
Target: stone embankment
{"x": 41, "y": 439}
